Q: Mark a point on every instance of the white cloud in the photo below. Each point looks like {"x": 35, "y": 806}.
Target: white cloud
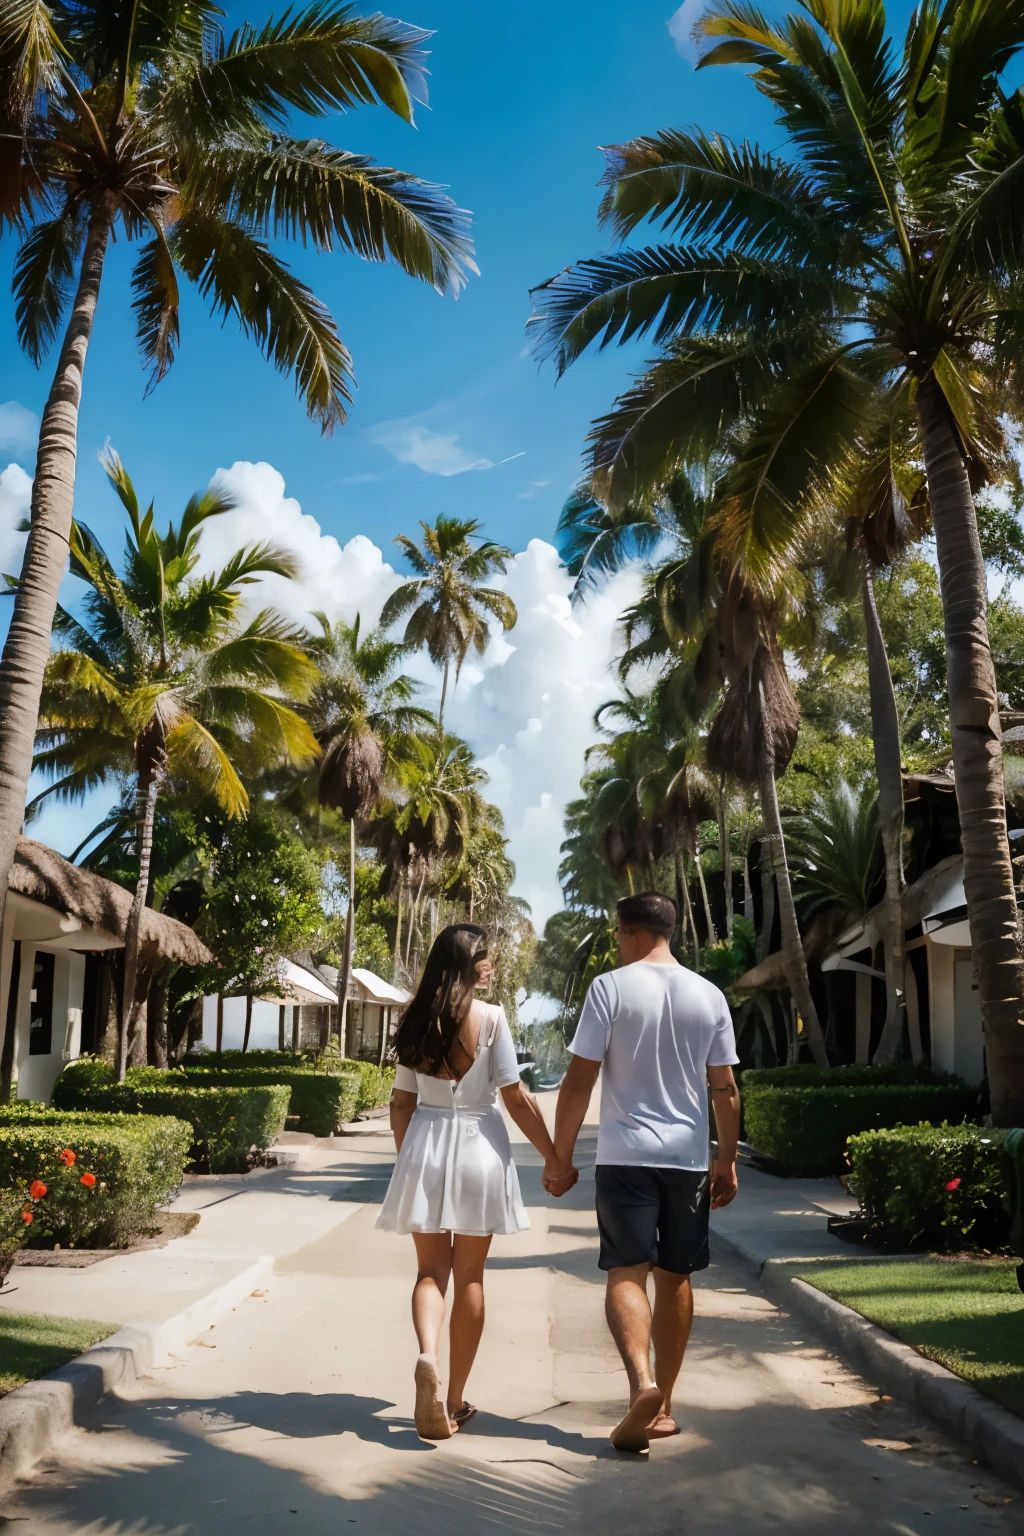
{"x": 529, "y": 708}
{"x": 19, "y": 430}
{"x": 527, "y": 705}
{"x": 681, "y": 25}
{"x": 339, "y": 580}
{"x": 435, "y": 453}
{"x": 533, "y": 490}
{"x": 15, "y": 500}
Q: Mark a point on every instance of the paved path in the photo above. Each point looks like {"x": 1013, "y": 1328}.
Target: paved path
{"x": 294, "y": 1414}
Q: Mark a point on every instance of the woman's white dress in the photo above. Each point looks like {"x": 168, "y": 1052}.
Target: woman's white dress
{"x": 455, "y": 1171}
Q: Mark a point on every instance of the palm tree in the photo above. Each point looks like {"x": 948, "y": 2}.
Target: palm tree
{"x": 882, "y": 251}
{"x": 363, "y": 715}
{"x": 836, "y": 847}
{"x": 145, "y": 120}
{"x": 449, "y": 608}
{"x": 721, "y": 634}
{"x": 423, "y": 831}
{"x": 165, "y": 679}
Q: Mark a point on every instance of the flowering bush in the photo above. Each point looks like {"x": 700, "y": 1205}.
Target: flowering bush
{"x": 935, "y": 1185}
{"x": 16, "y": 1217}
{"x": 106, "y": 1175}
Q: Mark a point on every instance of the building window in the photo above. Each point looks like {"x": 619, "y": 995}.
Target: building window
{"x": 40, "y": 1025}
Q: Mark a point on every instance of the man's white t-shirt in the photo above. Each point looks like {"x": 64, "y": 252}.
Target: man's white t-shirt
{"x": 657, "y": 1029}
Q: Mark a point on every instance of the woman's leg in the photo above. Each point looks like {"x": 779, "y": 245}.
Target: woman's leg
{"x": 469, "y": 1255}
{"x": 433, "y": 1271}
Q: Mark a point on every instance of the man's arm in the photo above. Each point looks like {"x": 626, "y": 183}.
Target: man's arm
{"x": 726, "y": 1098}
{"x": 570, "y": 1112}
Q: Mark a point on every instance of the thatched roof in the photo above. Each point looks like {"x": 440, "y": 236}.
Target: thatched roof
{"x": 42, "y": 875}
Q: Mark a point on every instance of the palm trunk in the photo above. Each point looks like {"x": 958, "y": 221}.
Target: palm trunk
{"x": 977, "y": 757}
{"x": 683, "y": 896}
{"x": 27, "y": 647}
{"x": 398, "y": 932}
{"x": 345, "y": 972}
{"x": 248, "y": 1021}
{"x": 712, "y": 935}
{"x": 748, "y": 889}
{"x": 885, "y": 728}
{"x": 220, "y": 1021}
{"x": 158, "y": 1009}
{"x": 280, "y": 1026}
{"x": 146, "y": 793}
{"x": 725, "y": 851}
{"x": 793, "y": 958}
{"x": 444, "y": 697}
{"x": 764, "y": 938}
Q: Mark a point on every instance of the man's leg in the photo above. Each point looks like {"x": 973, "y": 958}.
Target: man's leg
{"x": 629, "y": 1317}
{"x": 673, "y": 1319}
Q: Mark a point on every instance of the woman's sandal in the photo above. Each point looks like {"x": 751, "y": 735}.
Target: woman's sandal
{"x": 461, "y": 1416}
{"x": 432, "y": 1421}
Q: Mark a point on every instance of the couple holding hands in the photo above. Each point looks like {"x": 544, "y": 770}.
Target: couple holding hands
{"x": 662, "y": 1036}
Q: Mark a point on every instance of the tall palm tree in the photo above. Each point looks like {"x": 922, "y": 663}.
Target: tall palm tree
{"x": 448, "y": 608}
{"x": 363, "y": 715}
{"x": 165, "y": 679}
{"x": 146, "y": 121}
{"x": 423, "y": 830}
{"x": 882, "y": 250}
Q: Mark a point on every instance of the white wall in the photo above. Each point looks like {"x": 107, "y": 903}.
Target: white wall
{"x": 264, "y": 1024}
{"x": 37, "y": 1074}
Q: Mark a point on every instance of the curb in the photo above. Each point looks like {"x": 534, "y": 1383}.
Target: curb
{"x": 34, "y": 1417}
{"x": 994, "y": 1434}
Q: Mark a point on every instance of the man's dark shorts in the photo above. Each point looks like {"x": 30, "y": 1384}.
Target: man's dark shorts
{"x": 653, "y": 1215}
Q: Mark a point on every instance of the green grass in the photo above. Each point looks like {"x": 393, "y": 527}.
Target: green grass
{"x": 31, "y": 1344}
{"x": 969, "y": 1317}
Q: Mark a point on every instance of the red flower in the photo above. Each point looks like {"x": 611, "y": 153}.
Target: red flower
{"x": 27, "y": 1216}
{"x": 88, "y": 1179}
{"x": 67, "y": 1157}
{"x": 953, "y": 1184}
{"x": 37, "y": 1189}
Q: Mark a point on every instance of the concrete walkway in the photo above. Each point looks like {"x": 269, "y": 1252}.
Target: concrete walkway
{"x": 295, "y": 1413}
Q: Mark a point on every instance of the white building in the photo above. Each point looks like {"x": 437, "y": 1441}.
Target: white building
{"x": 61, "y": 925}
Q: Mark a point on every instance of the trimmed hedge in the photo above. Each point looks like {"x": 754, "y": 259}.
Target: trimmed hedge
{"x": 137, "y": 1161}
{"x": 937, "y": 1185}
{"x": 375, "y": 1085}
{"x": 805, "y": 1130}
{"x": 806, "y": 1075}
{"x": 321, "y": 1102}
{"x": 228, "y": 1121}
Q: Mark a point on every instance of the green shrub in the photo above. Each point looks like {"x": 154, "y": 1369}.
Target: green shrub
{"x": 228, "y": 1121}
{"x": 805, "y": 1075}
{"x": 236, "y": 1060}
{"x": 375, "y": 1084}
{"x": 805, "y": 1130}
{"x": 137, "y": 1160}
{"x": 939, "y": 1185}
{"x": 321, "y": 1102}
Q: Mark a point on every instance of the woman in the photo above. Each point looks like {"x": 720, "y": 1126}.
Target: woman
{"x": 454, "y": 1183}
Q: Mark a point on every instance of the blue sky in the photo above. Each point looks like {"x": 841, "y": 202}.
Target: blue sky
{"x": 521, "y": 97}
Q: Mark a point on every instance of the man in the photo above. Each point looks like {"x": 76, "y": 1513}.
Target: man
{"x": 662, "y": 1033}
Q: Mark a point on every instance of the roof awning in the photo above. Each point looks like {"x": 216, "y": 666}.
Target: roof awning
{"x": 301, "y": 986}
{"x": 376, "y": 990}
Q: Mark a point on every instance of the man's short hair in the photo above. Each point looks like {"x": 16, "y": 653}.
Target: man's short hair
{"x": 649, "y": 910}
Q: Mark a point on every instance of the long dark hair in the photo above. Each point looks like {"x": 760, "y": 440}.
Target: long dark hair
{"x": 431, "y": 1023}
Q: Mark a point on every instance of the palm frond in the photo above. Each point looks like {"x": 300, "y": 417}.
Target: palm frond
{"x": 671, "y": 290}
{"x": 304, "y": 189}
{"x": 43, "y": 270}
{"x": 240, "y": 276}
{"x": 156, "y": 302}
{"x": 194, "y": 750}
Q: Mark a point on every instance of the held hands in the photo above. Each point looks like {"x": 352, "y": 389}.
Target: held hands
{"x": 724, "y": 1184}
{"x": 559, "y": 1178}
